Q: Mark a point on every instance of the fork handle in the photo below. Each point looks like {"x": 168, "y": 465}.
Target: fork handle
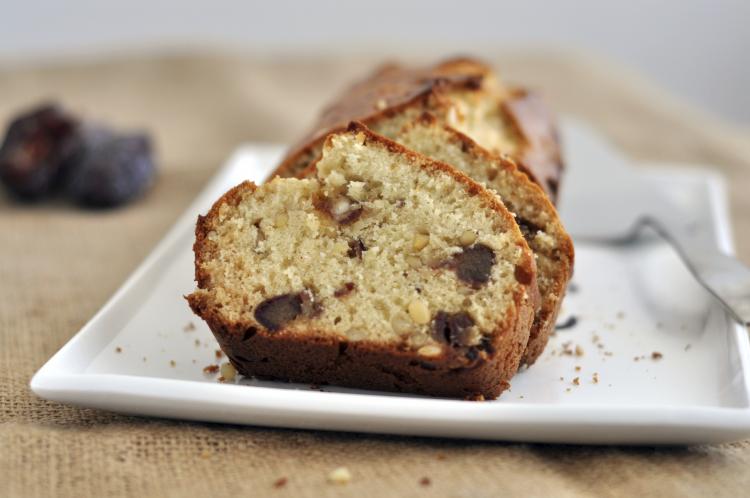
{"x": 721, "y": 274}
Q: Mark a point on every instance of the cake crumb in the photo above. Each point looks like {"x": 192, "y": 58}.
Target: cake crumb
{"x": 228, "y": 372}
{"x": 579, "y": 350}
{"x": 425, "y": 481}
{"x": 219, "y": 353}
{"x": 197, "y": 342}
{"x": 656, "y": 355}
{"x": 205, "y": 454}
{"x": 595, "y": 378}
{"x": 189, "y": 327}
{"x": 567, "y": 389}
{"x": 562, "y": 379}
{"x": 118, "y": 349}
{"x": 280, "y": 482}
{"x": 145, "y": 359}
{"x": 340, "y": 475}
{"x": 577, "y": 381}
{"x": 688, "y": 346}
{"x": 172, "y": 363}
{"x": 210, "y": 369}
{"x": 578, "y": 368}
{"x": 620, "y": 315}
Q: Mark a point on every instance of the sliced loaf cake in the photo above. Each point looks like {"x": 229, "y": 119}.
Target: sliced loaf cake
{"x": 387, "y": 270}
{"x": 463, "y": 93}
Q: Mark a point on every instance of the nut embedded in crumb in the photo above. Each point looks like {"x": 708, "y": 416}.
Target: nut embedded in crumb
{"x": 467, "y": 238}
{"x": 430, "y": 350}
{"x": 340, "y": 475}
{"x": 228, "y": 372}
{"x": 420, "y": 241}
{"x": 419, "y": 312}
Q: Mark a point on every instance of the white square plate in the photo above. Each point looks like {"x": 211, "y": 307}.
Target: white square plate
{"x": 671, "y": 366}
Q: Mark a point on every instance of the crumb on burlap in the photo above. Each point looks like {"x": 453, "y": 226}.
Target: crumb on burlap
{"x": 280, "y": 482}
{"x": 656, "y": 355}
{"x": 425, "y": 481}
{"x": 210, "y": 369}
{"x": 441, "y": 456}
{"x": 340, "y": 475}
{"x": 189, "y": 327}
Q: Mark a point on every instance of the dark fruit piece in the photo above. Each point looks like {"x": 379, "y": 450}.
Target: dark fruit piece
{"x": 474, "y": 264}
{"x": 276, "y": 312}
{"x": 36, "y": 147}
{"x": 109, "y": 170}
{"x": 452, "y": 328}
{"x": 528, "y": 229}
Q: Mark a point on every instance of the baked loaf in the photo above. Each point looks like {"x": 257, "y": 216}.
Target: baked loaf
{"x": 535, "y": 215}
{"x": 462, "y": 93}
{"x": 387, "y": 270}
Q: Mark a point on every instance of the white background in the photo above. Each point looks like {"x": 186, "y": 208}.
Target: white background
{"x": 698, "y": 49}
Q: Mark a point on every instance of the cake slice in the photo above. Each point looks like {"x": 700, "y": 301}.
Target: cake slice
{"x": 462, "y": 93}
{"x": 533, "y": 212}
{"x": 387, "y": 270}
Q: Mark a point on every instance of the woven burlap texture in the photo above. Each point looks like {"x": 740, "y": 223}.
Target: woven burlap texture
{"x": 58, "y": 265}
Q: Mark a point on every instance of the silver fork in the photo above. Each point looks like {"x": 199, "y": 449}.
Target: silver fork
{"x": 605, "y": 200}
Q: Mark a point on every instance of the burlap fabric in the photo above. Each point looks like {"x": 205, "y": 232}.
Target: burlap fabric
{"x": 58, "y": 265}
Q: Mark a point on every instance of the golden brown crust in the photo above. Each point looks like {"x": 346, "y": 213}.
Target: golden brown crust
{"x": 323, "y": 357}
